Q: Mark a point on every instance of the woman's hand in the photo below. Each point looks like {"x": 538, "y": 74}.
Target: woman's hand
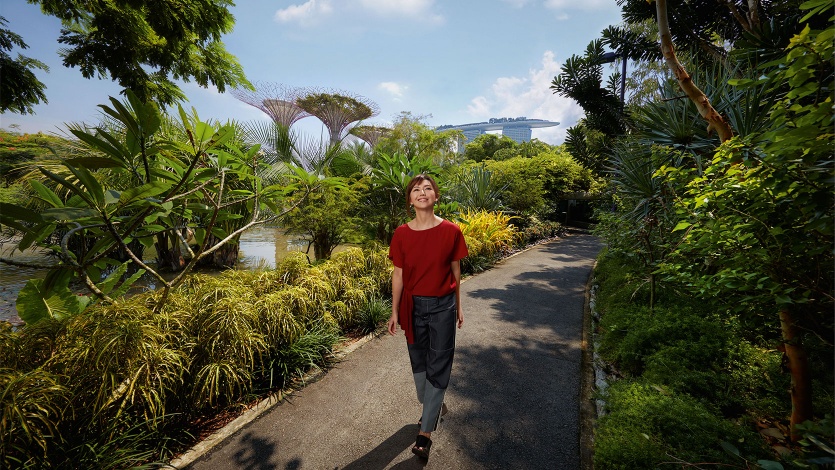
{"x": 393, "y": 324}
{"x": 460, "y": 318}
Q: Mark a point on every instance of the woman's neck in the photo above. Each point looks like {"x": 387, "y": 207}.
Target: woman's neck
{"x": 424, "y": 220}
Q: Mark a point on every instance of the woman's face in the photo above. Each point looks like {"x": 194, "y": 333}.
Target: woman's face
{"x": 423, "y": 195}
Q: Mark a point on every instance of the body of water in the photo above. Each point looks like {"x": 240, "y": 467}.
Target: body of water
{"x": 259, "y": 247}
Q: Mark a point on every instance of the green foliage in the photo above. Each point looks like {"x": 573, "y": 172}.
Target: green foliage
{"x": 326, "y": 216}
{"x": 580, "y": 79}
{"x": 21, "y": 88}
{"x": 122, "y": 41}
{"x": 485, "y": 146}
{"x": 133, "y": 188}
{"x": 735, "y": 235}
{"x": 115, "y": 385}
{"x": 647, "y": 425}
{"x": 538, "y": 230}
{"x": 489, "y": 236}
{"x": 411, "y": 137}
{"x": 374, "y": 313}
{"x": 475, "y": 190}
{"x": 532, "y": 183}
{"x": 45, "y": 298}
{"x": 760, "y": 217}
{"x": 310, "y": 351}
{"x": 31, "y": 403}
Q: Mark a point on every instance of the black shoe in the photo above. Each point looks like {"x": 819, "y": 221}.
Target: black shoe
{"x": 422, "y": 446}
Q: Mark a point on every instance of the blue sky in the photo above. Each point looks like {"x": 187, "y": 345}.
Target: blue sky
{"x": 452, "y": 61}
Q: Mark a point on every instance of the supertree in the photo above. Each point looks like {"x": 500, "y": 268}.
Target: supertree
{"x": 370, "y": 134}
{"x": 336, "y": 109}
{"x": 275, "y": 99}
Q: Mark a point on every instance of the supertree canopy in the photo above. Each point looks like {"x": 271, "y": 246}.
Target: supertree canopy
{"x": 337, "y": 109}
{"x": 275, "y": 99}
{"x": 370, "y": 134}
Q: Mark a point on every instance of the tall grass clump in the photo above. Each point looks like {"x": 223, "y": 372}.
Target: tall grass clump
{"x": 121, "y": 386}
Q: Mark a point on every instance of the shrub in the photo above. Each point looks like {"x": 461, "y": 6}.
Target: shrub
{"x": 538, "y": 230}
{"x": 648, "y": 425}
{"x": 530, "y": 183}
{"x": 120, "y": 373}
{"x": 489, "y": 236}
{"x": 487, "y": 233}
{"x": 376, "y": 311}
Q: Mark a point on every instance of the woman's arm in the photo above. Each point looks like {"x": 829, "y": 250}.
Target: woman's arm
{"x": 396, "y": 291}
{"x": 456, "y": 273}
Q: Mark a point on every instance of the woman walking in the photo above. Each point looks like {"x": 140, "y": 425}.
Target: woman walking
{"x": 426, "y": 254}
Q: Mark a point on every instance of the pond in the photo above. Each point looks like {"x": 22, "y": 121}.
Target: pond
{"x": 260, "y": 247}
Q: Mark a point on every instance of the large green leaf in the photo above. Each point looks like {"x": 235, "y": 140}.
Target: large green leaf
{"x": 75, "y": 189}
{"x": 35, "y": 303}
{"x": 46, "y": 195}
{"x": 69, "y": 213}
{"x": 151, "y": 189}
{"x": 15, "y": 212}
{"x": 90, "y": 182}
{"x": 95, "y": 163}
{"x": 112, "y": 148}
{"x": 35, "y": 234}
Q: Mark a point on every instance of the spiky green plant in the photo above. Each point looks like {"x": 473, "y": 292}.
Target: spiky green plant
{"x": 32, "y": 405}
{"x": 120, "y": 360}
{"x": 375, "y": 312}
{"x": 311, "y": 351}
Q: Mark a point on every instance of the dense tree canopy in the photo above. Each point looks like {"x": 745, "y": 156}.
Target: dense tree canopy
{"x": 21, "y": 89}
{"x": 143, "y": 46}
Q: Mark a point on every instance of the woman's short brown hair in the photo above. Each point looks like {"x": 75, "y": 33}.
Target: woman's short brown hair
{"x": 417, "y": 180}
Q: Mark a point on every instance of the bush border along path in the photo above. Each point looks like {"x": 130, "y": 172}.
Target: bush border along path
{"x": 514, "y": 403}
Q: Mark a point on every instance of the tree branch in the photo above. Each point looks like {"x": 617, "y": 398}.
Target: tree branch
{"x": 714, "y": 119}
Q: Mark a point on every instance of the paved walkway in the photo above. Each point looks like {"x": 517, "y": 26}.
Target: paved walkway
{"x": 513, "y": 397}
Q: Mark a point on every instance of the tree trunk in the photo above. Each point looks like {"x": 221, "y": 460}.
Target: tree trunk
{"x": 224, "y": 257}
{"x": 169, "y": 254}
{"x": 714, "y": 119}
{"x": 801, "y": 384}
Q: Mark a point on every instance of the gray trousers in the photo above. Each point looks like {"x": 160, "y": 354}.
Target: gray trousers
{"x": 431, "y": 354}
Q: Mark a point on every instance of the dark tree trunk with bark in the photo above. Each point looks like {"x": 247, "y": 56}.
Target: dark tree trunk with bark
{"x": 169, "y": 255}
{"x": 225, "y": 257}
{"x": 798, "y": 363}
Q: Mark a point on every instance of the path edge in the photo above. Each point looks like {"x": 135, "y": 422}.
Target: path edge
{"x": 588, "y": 411}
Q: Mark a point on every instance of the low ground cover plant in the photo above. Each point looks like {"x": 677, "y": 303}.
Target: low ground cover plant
{"x": 690, "y": 383}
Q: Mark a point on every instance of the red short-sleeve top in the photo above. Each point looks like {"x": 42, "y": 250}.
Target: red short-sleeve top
{"x": 425, "y": 257}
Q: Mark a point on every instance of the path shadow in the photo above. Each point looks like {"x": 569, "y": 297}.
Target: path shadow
{"x": 546, "y": 295}
{"x": 255, "y": 453}
{"x": 388, "y": 450}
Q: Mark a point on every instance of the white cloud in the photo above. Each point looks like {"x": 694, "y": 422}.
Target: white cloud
{"x": 305, "y": 14}
{"x": 418, "y": 10}
{"x": 395, "y": 89}
{"x": 479, "y": 106}
{"x": 315, "y": 11}
{"x": 532, "y": 97}
{"x": 517, "y": 3}
{"x": 575, "y": 5}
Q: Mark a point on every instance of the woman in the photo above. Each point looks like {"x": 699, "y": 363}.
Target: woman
{"x": 426, "y": 254}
